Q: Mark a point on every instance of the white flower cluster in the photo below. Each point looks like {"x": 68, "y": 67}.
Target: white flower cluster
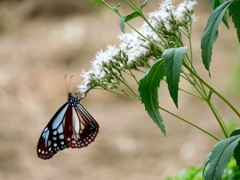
{"x": 137, "y": 48}
{"x": 168, "y": 18}
{"x": 104, "y": 65}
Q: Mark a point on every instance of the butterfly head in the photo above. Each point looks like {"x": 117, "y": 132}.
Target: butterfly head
{"x": 73, "y": 100}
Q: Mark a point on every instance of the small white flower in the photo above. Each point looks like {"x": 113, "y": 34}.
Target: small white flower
{"x": 102, "y": 59}
{"x": 147, "y": 31}
{"x": 162, "y": 17}
{"x": 134, "y": 46}
{"x": 167, "y": 5}
{"x": 194, "y": 18}
{"x": 127, "y": 40}
{"x": 181, "y": 13}
{"x": 190, "y": 4}
{"x": 99, "y": 69}
{"x": 85, "y": 86}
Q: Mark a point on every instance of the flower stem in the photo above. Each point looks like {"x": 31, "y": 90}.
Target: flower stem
{"x": 123, "y": 80}
{"x": 215, "y": 92}
{"x": 220, "y": 122}
{"x": 188, "y": 122}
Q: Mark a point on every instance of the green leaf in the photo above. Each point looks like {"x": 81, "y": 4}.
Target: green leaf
{"x": 234, "y": 12}
{"x": 144, "y": 4}
{"x": 214, "y": 5}
{"x": 173, "y": 59}
{"x": 207, "y": 159}
{"x": 220, "y": 157}
{"x": 232, "y": 171}
{"x": 191, "y": 173}
{"x": 126, "y": 19}
{"x": 211, "y": 32}
{"x": 121, "y": 24}
{"x": 116, "y": 8}
{"x": 148, "y": 88}
{"x": 237, "y": 155}
{"x": 132, "y": 16}
{"x": 235, "y": 132}
{"x": 237, "y": 149}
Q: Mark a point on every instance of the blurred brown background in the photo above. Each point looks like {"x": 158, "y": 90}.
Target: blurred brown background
{"x": 41, "y": 41}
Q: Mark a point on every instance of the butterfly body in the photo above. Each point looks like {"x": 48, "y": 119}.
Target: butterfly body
{"x": 71, "y": 126}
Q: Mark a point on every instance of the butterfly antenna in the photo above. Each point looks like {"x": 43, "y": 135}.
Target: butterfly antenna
{"x": 69, "y": 82}
{"x": 65, "y": 77}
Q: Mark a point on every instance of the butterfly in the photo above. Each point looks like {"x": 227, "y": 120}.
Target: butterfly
{"x": 71, "y": 126}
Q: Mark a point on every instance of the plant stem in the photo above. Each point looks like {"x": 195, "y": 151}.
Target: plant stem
{"x": 134, "y": 77}
{"x": 127, "y": 95}
{"x": 215, "y": 92}
{"x": 220, "y": 118}
{"x": 142, "y": 16}
{"x": 123, "y": 80}
{"x": 193, "y": 94}
{"x": 199, "y": 87}
{"x": 221, "y": 123}
{"x": 188, "y": 122}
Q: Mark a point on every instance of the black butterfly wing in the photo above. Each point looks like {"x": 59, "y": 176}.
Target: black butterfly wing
{"x": 83, "y": 128}
{"x": 71, "y": 126}
{"x": 52, "y": 138}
